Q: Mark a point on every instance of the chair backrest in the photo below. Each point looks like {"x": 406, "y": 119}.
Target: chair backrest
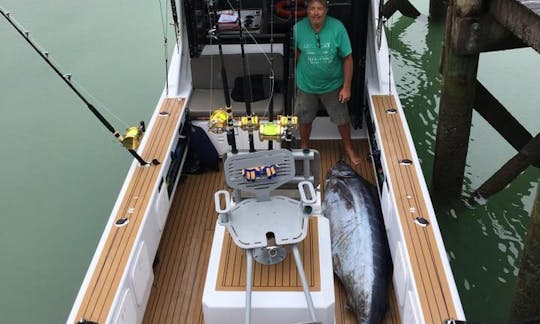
{"x": 236, "y": 165}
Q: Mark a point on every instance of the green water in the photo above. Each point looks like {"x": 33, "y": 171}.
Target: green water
{"x": 484, "y": 241}
{"x": 61, "y": 170}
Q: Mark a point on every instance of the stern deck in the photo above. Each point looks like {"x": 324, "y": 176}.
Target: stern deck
{"x": 185, "y": 248}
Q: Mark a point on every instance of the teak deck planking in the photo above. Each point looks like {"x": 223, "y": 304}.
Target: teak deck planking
{"x": 106, "y": 277}
{"x": 434, "y": 290}
{"x": 282, "y": 276}
{"x": 184, "y": 251}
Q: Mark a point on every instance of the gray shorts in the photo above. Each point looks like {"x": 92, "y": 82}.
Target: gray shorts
{"x": 307, "y": 105}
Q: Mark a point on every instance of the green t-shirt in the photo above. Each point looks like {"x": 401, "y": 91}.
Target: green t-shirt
{"x": 320, "y": 66}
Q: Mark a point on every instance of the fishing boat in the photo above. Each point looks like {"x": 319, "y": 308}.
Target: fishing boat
{"x": 179, "y": 247}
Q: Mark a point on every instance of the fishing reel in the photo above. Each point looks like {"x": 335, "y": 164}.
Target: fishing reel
{"x": 221, "y": 120}
{"x": 279, "y": 129}
{"x": 132, "y": 139}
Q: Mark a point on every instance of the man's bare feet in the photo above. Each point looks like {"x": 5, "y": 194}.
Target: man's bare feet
{"x": 354, "y": 158}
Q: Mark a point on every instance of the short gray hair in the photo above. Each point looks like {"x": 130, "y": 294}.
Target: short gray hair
{"x": 323, "y": 2}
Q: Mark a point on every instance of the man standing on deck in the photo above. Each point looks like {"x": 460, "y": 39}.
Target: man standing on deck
{"x": 323, "y": 73}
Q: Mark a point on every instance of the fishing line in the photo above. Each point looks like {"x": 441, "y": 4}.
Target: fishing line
{"x": 258, "y": 45}
{"x": 80, "y": 87}
{"x": 210, "y": 23}
{"x": 164, "y": 23}
{"x": 270, "y": 62}
{"x": 130, "y": 141}
{"x": 101, "y": 104}
{"x": 390, "y": 36}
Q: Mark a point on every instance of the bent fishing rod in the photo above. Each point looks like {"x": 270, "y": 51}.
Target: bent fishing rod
{"x": 134, "y": 133}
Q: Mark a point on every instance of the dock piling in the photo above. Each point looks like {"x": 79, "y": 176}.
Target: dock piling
{"x": 525, "y": 305}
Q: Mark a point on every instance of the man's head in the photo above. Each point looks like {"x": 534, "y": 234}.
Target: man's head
{"x": 316, "y": 11}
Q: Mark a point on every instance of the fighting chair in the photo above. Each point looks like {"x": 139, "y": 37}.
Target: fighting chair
{"x": 265, "y": 221}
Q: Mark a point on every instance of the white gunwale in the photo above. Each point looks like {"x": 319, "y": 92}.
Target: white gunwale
{"x": 410, "y": 304}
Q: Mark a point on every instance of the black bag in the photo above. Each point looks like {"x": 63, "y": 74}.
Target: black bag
{"x": 260, "y": 87}
{"x": 202, "y": 154}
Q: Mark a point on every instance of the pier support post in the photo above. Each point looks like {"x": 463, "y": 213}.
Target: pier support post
{"x": 437, "y": 9}
{"x": 525, "y": 306}
{"x": 455, "y": 110}
{"x": 528, "y": 155}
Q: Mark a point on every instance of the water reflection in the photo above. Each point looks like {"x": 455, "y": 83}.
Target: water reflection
{"x": 483, "y": 240}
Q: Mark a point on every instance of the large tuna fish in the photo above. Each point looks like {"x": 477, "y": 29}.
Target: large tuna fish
{"x": 359, "y": 246}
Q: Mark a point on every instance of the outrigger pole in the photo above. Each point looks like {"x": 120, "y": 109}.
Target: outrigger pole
{"x": 67, "y": 80}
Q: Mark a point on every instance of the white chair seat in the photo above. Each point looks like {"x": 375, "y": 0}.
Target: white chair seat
{"x": 250, "y": 220}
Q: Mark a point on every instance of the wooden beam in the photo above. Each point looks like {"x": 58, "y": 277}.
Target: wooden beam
{"x": 528, "y": 155}
{"x": 521, "y": 17}
{"x": 404, "y": 6}
{"x": 526, "y": 297}
{"x": 474, "y": 35}
{"x": 502, "y": 121}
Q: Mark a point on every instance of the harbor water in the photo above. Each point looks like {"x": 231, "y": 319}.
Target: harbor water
{"x": 62, "y": 170}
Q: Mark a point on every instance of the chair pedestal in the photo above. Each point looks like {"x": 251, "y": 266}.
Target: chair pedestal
{"x": 271, "y": 305}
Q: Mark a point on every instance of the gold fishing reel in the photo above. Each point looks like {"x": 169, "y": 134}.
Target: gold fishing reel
{"x": 132, "y": 139}
{"x": 249, "y": 123}
{"x": 219, "y": 120}
{"x": 275, "y": 130}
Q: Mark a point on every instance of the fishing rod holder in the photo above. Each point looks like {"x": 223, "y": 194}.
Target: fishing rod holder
{"x": 222, "y": 121}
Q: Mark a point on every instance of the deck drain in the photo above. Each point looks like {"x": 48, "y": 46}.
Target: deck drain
{"x": 405, "y": 162}
{"x": 121, "y": 222}
{"x": 421, "y": 221}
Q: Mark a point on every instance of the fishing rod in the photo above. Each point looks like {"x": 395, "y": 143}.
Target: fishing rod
{"x": 231, "y": 139}
{"x": 273, "y": 80}
{"x": 130, "y": 141}
{"x": 247, "y": 80}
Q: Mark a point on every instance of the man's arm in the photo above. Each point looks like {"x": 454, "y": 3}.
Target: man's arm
{"x": 345, "y": 93}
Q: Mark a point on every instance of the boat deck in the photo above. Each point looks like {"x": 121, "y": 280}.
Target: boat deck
{"x": 184, "y": 251}
{"x": 105, "y": 280}
{"x": 430, "y": 277}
